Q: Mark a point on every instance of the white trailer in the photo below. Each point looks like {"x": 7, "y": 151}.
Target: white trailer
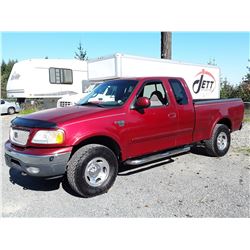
{"x": 47, "y": 78}
{"x": 203, "y": 80}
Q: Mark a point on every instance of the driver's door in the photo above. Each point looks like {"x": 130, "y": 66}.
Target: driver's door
{"x": 152, "y": 129}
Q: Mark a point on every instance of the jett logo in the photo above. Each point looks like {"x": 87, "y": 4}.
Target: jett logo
{"x": 205, "y": 82}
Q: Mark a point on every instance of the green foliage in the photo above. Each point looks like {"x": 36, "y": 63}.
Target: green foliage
{"x": 81, "y": 54}
{"x": 5, "y": 73}
{"x": 241, "y": 90}
{"x": 227, "y": 90}
{"x": 27, "y": 111}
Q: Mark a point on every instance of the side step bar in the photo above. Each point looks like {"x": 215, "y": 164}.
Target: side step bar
{"x": 147, "y": 159}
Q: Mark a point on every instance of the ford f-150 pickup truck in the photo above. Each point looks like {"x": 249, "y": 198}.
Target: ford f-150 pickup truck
{"x": 125, "y": 121}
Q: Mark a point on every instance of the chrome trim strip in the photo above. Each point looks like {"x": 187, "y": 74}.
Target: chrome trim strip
{"x": 15, "y": 91}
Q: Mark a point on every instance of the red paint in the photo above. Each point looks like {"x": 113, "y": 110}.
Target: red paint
{"x": 144, "y": 131}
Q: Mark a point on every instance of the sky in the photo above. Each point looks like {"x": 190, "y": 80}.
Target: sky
{"x": 230, "y": 50}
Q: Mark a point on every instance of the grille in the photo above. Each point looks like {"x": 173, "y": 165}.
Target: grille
{"x": 65, "y": 104}
{"x": 18, "y": 136}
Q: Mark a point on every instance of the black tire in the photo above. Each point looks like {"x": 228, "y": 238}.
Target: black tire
{"x": 220, "y": 141}
{"x": 80, "y": 166}
{"x": 11, "y": 110}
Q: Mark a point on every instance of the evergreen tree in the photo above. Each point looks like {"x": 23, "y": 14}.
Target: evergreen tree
{"x": 243, "y": 89}
{"x": 227, "y": 89}
{"x": 5, "y": 73}
{"x": 81, "y": 54}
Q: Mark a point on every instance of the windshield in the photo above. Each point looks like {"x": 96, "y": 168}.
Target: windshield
{"x": 110, "y": 93}
{"x": 90, "y": 88}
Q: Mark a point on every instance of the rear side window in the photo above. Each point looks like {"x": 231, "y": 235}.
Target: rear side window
{"x": 60, "y": 76}
{"x": 179, "y": 92}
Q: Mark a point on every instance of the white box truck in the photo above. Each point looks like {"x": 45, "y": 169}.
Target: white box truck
{"x": 203, "y": 80}
{"x": 47, "y": 78}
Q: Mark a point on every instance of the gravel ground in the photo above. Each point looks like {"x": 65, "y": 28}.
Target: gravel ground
{"x": 191, "y": 185}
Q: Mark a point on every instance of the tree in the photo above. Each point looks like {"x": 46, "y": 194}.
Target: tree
{"x": 81, "y": 54}
{"x": 243, "y": 89}
{"x": 5, "y": 73}
{"x": 166, "y": 45}
{"x": 227, "y": 90}
{"x": 212, "y": 62}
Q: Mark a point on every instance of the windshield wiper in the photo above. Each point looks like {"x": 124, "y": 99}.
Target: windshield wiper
{"x": 92, "y": 103}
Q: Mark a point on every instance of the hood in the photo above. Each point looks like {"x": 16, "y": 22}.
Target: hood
{"x": 67, "y": 114}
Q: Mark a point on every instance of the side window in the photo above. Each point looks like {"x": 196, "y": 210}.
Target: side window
{"x": 156, "y": 94}
{"x": 60, "y": 76}
{"x": 179, "y": 92}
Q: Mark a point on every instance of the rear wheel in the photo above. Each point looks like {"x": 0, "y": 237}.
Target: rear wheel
{"x": 92, "y": 170}
{"x": 11, "y": 110}
{"x": 219, "y": 144}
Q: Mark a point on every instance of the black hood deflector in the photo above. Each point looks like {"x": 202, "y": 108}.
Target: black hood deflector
{"x": 32, "y": 123}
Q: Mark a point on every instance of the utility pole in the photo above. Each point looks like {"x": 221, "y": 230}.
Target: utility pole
{"x": 166, "y": 45}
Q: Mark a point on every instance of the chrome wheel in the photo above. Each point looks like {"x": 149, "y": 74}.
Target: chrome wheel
{"x": 222, "y": 141}
{"x": 97, "y": 172}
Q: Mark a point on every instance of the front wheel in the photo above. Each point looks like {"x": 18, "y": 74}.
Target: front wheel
{"x": 219, "y": 144}
{"x": 92, "y": 170}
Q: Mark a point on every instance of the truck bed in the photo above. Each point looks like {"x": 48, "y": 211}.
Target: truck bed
{"x": 213, "y": 111}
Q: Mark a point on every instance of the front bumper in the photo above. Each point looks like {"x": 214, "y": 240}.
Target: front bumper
{"x": 45, "y": 165}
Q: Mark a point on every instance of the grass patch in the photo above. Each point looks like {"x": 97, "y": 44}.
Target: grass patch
{"x": 247, "y": 115}
{"x": 246, "y": 119}
{"x": 244, "y": 150}
{"x": 27, "y": 111}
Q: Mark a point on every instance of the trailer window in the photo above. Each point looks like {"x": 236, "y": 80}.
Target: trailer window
{"x": 60, "y": 76}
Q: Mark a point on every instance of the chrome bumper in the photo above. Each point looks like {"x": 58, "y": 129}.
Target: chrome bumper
{"x": 35, "y": 165}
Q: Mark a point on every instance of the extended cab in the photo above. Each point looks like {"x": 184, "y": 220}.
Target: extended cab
{"x": 142, "y": 120}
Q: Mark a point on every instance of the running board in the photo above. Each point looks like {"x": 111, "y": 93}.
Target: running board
{"x": 147, "y": 159}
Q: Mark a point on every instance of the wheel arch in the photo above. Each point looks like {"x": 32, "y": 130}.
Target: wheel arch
{"x": 102, "y": 140}
{"x": 225, "y": 121}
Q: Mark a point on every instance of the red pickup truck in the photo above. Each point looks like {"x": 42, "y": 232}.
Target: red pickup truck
{"x": 125, "y": 121}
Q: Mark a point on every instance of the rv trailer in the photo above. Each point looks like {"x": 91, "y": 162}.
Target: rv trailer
{"x": 46, "y": 78}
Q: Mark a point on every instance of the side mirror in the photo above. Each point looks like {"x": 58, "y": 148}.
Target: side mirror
{"x": 142, "y": 103}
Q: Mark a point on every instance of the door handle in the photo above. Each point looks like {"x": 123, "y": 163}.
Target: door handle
{"x": 172, "y": 115}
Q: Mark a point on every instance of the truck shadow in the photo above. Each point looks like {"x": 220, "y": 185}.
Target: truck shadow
{"x": 52, "y": 184}
{"x": 38, "y": 183}
{"x": 199, "y": 150}
{"x": 125, "y": 170}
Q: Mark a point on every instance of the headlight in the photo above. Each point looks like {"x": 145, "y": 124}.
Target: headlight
{"x": 48, "y": 137}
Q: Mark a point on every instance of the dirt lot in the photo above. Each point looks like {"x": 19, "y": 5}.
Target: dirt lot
{"x": 191, "y": 185}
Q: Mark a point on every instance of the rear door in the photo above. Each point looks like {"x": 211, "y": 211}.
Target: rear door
{"x": 152, "y": 129}
{"x": 185, "y": 111}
